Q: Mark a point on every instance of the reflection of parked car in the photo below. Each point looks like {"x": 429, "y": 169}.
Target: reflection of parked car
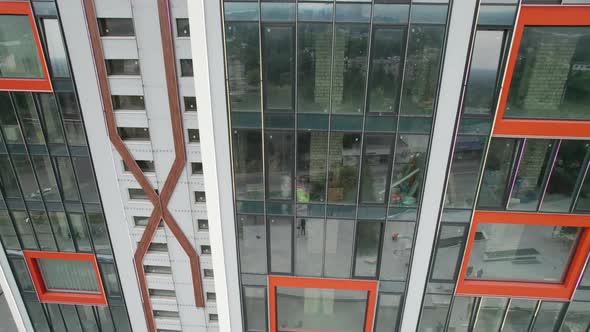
{"x": 38, "y": 193}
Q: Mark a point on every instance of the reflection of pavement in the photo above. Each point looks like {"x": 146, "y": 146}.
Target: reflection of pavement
{"x": 6, "y": 321}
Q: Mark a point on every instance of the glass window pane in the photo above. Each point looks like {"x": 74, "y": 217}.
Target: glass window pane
{"x": 43, "y": 230}
{"x": 534, "y": 164}
{"x": 190, "y": 104}
{"x": 321, "y": 309}
{"x": 26, "y": 177}
{"x": 68, "y": 275}
{"x": 434, "y": 312}
{"x": 106, "y": 320}
{"x": 9, "y": 184}
{"x": 314, "y": 66}
{"x": 279, "y": 64}
{"x": 134, "y": 134}
{"x": 312, "y": 151}
{"x": 98, "y": 230}
{"x": 422, "y": 69}
{"x": 19, "y": 57}
{"x": 583, "y": 203}
{"x": 186, "y": 68}
{"x": 461, "y": 314}
{"x": 577, "y": 318}
{"x": 522, "y": 252}
{"x": 385, "y": 75}
{"x": 243, "y": 65}
{"x": 564, "y": 176}
{"x": 120, "y": 318}
{"x": 25, "y": 107}
{"x": 61, "y": 230}
{"x": 397, "y": 247}
{"x": 88, "y": 189}
{"x": 281, "y": 235}
{"x": 485, "y": 61}
{"x": 345, "y": 151}
{"x": 24, "y": 229}
{"x": 497, "y": 170}
{"x": 491, "y": 314}
{"x": 66, "y": 179}
{"x": 87, "y": 319}
{"x": 550, "y": 77}
{"x": 376, "y": 168}
{"x": 56, "y": 49}
{"x": 279, "y": 158}
{"x": 51, "y": 118}
{"x": 72, "y": 119}
{"x": 46, "y": 177}
{"x": 387, "y": 312}
{"x": 309, "y": 246}
{"x": 255, "y": 308}
{"x": 122, "y": 67}
{"x": 128, "y": 103}
{"x": 548, "y": 317}
{"x": 56, "y": 318}
{"x": 519, "y": 315}
{"x": 10, "y": 126}
{"x": 408, "y": 170}
{"x": 252, "y": 244}
{"x": 71, "y": 317}
{"x": 368, "y": 234}
{"x": 247, "y": 156}
{"x": 111, "y": 281}
{"x": 182, "y": 27}
{"x": 119, "y": 27}
{"x": 338, "y": 248}
{"x": 448, "y": 252}
{"x": 80, "y": 232}
{"x": 464, "y": 174}
{"x": 349, "y": 69}
{"x": 7, "y": 231}
{"x": 37, "y": 314}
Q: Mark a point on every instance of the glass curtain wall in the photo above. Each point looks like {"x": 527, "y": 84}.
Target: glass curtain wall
{"x": 331, "y": 106}
{"x": 49, "y": 200}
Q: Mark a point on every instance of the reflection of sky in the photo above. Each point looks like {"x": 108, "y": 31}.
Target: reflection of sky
{"x": 486, "y": 52}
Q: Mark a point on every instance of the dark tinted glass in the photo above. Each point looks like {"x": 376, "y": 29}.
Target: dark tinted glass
{"x": 186, "y": 67}
{"x": 496, "y": 174}
{"x": 122, "y": 67}
{"x": 144, "y": 165}
{"x": 279, "y": 65}
{"x": 128, "y": 102}
{"x": 190, "y": 104}
{"x": 182, "y": 27}
{"x": 368, "y": 234}
{"x": 243, "y": 66}
{"x": 116, "y": 27}
{"x": 134, "y": 134}
{"x": 193, "y": 136}
{"x": 196, "y": 168}
{"x": 387, "y": 312}
{"x": 550, "y": 78}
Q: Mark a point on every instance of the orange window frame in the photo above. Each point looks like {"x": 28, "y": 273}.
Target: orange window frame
{"x": 46, "y": 296}
{"x": 531, "y": 15}
{"x": 563, "y": 291}
{"x": 26, "y": 84}
{"x": 341, "y": 284}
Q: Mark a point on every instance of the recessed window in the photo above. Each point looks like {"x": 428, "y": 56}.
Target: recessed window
{"x": 134, "y": 134}
{"x": 122, "y": 67}
{"x": 213, "y": 318}
{"x": 137, "y": 194}
{"x": 128, "y": 103}
{"x": 200, "y": 197}
{"x": 205, "y": 250}
{"x": 116, "y": 27}
{"x": 182, "y": 27}
{"x": 197, "y": 168}
{"x": 211, "y": 296}
{"x": 203, "y": 224}
{"x": 166, "y": 314}
{"x": 161, "y": 247}
{"x": 186, "y": 67}
{"x": 69, "y": 278}
{"x": 208, "y": 273}
{"x": 140, "y": 221}
{"x": 162, "y": 292}
{"x": 157, "y": 269}
{"x": 190, "y": 104}
{"x": 193, "y": 136}
{"x": 146, "y": 166}
{"x": 19, "y": 57}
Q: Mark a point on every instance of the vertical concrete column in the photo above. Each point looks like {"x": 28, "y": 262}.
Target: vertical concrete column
{"x": 451, "y": 85}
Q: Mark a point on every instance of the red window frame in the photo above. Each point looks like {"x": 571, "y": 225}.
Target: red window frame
{"x": 540, "y": 16}
{"x": 47, "y": 296}
{"x": 26, "y": 84}
{"x": 341, "y": 284}
{"x": 563, "y": 291}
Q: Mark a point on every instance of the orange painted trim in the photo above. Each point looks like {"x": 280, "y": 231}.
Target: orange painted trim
{"x": 540, "y": 16}
{"x": 302, "y": 282}
{"x": 563, "y": 291}
{"x": 47, "y": 296}
{"x": 26, "y": 84}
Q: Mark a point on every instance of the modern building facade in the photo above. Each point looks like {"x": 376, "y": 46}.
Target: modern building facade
{"x": 295, "y": 166}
